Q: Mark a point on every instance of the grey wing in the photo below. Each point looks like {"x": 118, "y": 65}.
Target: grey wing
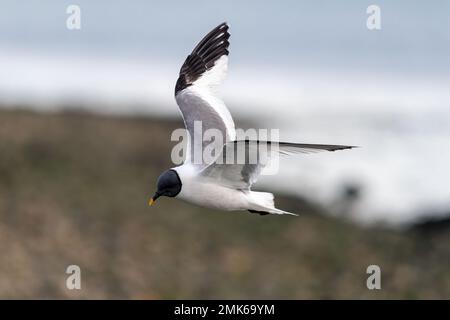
{"x": 202, "y": 110}
{"x": 241, "y": 162}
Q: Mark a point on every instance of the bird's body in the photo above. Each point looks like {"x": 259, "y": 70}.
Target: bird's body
{"x": 211, "y": 195}
{"x": 201, "y": 191}
{"x": 219, "y": 183}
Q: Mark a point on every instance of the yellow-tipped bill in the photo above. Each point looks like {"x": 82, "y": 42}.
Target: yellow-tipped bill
{"x": 151, "y": 202}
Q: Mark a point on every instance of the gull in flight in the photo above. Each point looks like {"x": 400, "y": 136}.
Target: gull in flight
{"x": 219, "y": 184}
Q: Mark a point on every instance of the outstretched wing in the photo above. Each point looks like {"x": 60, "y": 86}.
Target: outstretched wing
{"x": 202, "y": 110}
{"x": 241, "y": 162}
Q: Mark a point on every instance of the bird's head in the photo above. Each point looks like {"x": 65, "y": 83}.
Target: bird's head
{"x": 169, "y": 185}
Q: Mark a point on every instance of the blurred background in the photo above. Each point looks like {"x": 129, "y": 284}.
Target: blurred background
{"x": 85, "y": 123}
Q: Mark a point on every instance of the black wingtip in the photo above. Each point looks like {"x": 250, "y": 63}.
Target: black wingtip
{"x": 213, "y": 46}
{"x": 341, "y": 147}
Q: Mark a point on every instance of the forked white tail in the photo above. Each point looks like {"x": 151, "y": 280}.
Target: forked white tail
{"x": 264, "y": 202}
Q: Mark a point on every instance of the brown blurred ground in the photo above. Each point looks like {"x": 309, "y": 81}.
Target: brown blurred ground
{"x": 74, "y": 189}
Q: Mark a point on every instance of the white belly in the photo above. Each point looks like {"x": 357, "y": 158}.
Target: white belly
{"x": 210, "y": 195}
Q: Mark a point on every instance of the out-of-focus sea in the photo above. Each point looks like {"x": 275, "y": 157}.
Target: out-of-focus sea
{"x": 311, "y": 69}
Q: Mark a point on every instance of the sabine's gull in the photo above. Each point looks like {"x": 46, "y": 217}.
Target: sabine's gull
{"x": 218, "y": 184}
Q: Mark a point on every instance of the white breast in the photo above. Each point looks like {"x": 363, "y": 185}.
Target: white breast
{"x": 204, "y": 193}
